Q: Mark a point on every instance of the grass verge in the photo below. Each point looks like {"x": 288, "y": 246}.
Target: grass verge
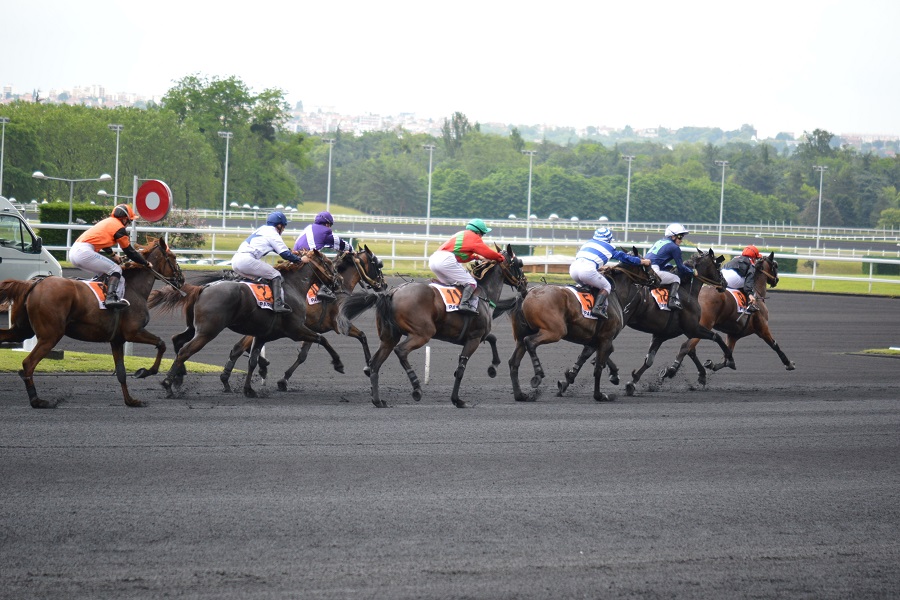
{"x": 83, "y": 362}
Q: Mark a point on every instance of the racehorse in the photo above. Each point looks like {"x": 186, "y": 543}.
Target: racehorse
{"x": 355, "y": 268}
{"x": 210, "y": 309}
{"x": 719, "y": 310}
{"x": 665, "y": 324}
{"x": 417, "y": 310}
{"x": 552, "y": 313}
{"x": 53, "y": 307}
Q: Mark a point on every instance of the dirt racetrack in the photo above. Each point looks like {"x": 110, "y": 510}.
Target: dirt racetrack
{"x": 764, "y": 483}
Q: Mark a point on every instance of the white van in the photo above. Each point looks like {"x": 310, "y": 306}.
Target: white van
{"x": 22, "y": 253}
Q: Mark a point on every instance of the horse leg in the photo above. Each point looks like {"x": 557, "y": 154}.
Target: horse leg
{"x": 495, "y": 356}
{"x": 243, "y": 345}
{"x": 178, "y": 341}
{"x": 357, "y": 333}
{"x": 613, "y": 372}
{"x": 40, "y": 351}
{"x": 118, "y": 353}
{"x": 470, "y": 347}
{"x": 532, "y": 342}
{"x": 402, "y": 351}
{"x": 604, "y": 349}
{"x": 388, "y": 343}
{"x": 335, "y": 357}
{"x": 255, "y": 349}
{"x": 177, "y": 371}
{"x": 514, "y": 362}
{"x": 769, "y": 339}
{"x": 301, "y": 358}
{"x": 686, "y": 348}
{"x": 572, "y": 372}
{"x": 648, "y": 362}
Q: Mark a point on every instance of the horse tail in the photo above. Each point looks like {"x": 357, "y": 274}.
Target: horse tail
{"x": 504, "y": 306}
{"x": 168, "y": 298}
{"x": 520, "y": 325}
{"x": 351, "y": 306}
{"x": 14, "y": 290}
{"x": 384, "y": 308}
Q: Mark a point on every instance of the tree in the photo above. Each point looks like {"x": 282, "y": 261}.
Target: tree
{"x": 453, "y": 131}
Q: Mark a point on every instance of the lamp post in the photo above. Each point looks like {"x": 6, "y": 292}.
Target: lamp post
{"x": 430, "y": 148}
{"x": 227, "y": 135}
{"x": 723, "y": 164}
{"x": 3, "y": 122}
{"x": 330, "y": 142}
{"x": 530, "y": 154}
{"x": 627, "y": 194}
{"x": 118, "y": 129}
{"x": 821, "y": 170}
{"x": 553, "y": 218}
{"x": 71, "y": 182}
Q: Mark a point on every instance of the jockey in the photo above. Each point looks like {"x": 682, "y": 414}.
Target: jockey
{"x": 318, "y": 235}
{"x": 595, "y": 253}
{"x": 461, "y": 248}
{"x": 84, "y": 253}
{"x": 740, "y": 272}
{"x": 668, "y": 250}
{"x": 247, "y": 261}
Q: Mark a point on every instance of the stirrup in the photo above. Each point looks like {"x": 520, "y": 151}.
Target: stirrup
{"x": 751, "y": 308}
{"x": 325, "y": 293}
{"x": 467, "y": 307}
{"x": 116, "y": 303}
{"x": 280, "y": 307}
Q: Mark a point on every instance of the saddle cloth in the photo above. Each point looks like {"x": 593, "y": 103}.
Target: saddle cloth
{"x": 98, "y": 289}
{"x": 741, "y": 299}
{"x": 661, "y": 295}
{"x": 451, "y": 295}
{"x": 311, "y": 297}
{"x": 585, "y": 298}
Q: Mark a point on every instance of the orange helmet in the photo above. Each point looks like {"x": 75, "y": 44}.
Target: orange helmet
{"x": 123, "y": 210}
{"x": 752, "y": 252}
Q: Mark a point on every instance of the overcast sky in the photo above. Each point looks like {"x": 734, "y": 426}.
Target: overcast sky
{"x": 777, "y": 65}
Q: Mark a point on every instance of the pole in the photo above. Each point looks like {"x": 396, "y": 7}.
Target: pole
{"x": 69, "y": 230}
{"x": 628, "y": 195}
{"x": 227, "y": 135}
{"x": 530, "y": 154}
{"x": 330, "y": 143}
{"x": 3, "y": 122}
{"x": 117, "y": 129}
{"x": 430, "y": 148}
{"x": 723, "y": 164}
{"x": 821, "y": 170}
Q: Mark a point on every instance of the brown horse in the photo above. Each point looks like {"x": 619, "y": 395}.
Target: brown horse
{"x": 54, "y": 307}
{"x": 551, "y": 313}
{"x": 212, "y": 308}
{"x": 417, "y": 310}
{"x": 664, "y": 324}
{"x": 355, "y": 268}
{"x": 720, "y": 311}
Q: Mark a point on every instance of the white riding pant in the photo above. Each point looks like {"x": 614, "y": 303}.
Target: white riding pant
{"x": 448, "y": 270}
{"x": 244, "y": 264}
{"x": 733, "y": 279}
{"x": 666, "y": 277}
{"x": 83, "y": 256}
{"x": 584, "y": 271}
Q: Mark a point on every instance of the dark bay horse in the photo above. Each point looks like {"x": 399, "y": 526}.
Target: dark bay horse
{"x": 665, "y": 324}
{"x": 212, "y": 308}
{"x": 417, "y": 310}
{"x": 355, "y": 268}
{"x": 54, "y": 307}
{"x": 719, "y": 310}
{"x": 551, "y": 313}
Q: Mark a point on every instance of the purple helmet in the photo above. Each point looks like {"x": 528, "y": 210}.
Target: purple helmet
{"x": 324, "y": 218}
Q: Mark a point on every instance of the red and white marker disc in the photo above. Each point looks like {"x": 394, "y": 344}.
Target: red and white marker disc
{"x": 153, "y": 200}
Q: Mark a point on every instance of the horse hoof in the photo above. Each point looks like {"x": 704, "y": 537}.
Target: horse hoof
{"x": 521, "y": 397}
{"x": 790, "y": 367}
{"x": 629, "y": 389}
{"x": 250, "y": 393}
{"x": 282, "y": 385}
{"x": 708, "y": 364}
{"x": 536, "y": 381}
{"x": 605, "y": 398}
{"x": 141, "y": 373}
{"x": 135, "y": 403}
{"x": 731, "y": 365}
{"x": 461, "y": 404}
{"x": 492, "y": 371}
{"x": 417, "y": 395}
{"x": 38, "y": 403}
{"x": 380, "y": 403}
{"x": 339, "y": 368}
{"x": 561, "y": 387}
{"x": 367, "y": 372}
{"x": 614, "y": 379}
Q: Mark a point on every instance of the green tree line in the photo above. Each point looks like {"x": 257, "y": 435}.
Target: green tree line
{"x": 474, "y": 173}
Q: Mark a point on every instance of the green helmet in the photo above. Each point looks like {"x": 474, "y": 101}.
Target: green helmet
{"x": 478, "y": 226}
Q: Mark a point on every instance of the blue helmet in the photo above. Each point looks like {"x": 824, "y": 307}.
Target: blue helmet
{"x": 603, "y": 234}
{"x": 324, "y": 218}
{"x": 276, "y": 218}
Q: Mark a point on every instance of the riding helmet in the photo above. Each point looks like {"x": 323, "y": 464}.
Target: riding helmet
{"x": 478, "y": 226}
{"x": 603, "y": 234}
{"x": 752, "y": 252}
{"x": 123, "y": 210}
{"x": 676, "y": 229}
{"x": 276, "y": 218}
{"x": 324, "y": 218}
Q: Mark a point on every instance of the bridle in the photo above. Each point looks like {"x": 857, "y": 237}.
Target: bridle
{"x": 376, "y": 284}
{"x": 177, "y": 278}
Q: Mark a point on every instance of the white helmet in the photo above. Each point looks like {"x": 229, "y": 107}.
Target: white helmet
{"x": 676, "y": 229}
{"x": 604, "y": 235}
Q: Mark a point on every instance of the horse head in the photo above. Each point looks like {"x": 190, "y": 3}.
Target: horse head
{"x": 369, "y": 267}
{"x": 769, "y": 267}
{"x": 709, "y": 269}
{"x": 322, "y": 267}
{"x": 513, "y": 273}
{"x": 163, "y": 262}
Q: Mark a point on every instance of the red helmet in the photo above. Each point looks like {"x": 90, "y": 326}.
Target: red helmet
{"x": 123, "y": 211}
{"x": 752, "y": 252}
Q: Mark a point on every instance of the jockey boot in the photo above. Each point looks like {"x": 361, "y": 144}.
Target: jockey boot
{"x": 278, "y": 304}
{"x": 599, "y": 308}
{"x": 674, "y": 302}
{"x": 325, "y": 294}
{"x": 112, "y": 293}
{"x": 465, "y": 304}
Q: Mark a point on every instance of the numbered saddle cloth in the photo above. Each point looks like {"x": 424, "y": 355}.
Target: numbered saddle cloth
{"x": 585, "y": 298}
{"x": 451, "y": 296}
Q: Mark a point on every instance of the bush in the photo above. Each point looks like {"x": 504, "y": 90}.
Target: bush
{"x": 880, "y": 268}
